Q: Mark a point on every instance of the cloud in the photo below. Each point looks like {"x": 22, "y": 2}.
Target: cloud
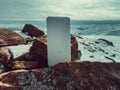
{"x": 76, "y": 9}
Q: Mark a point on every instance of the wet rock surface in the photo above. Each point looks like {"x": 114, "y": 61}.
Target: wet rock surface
{"x": 65, "y": 76}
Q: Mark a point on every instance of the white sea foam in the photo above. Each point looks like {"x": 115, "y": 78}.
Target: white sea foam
{"x": 19, "y": 50}
{"x": 101, "y": 50}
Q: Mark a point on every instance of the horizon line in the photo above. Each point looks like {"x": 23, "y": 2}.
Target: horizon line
{"x": 71, "y": 19}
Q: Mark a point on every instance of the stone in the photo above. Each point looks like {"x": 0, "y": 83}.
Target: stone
{"x": 104, "y": 41}
{"x": 8, "y": 38}
{"x": 39, "y": 47}
{"x": 6, "y": 58}
{"x": 38, "y": 51}
{"x": 65, "y": 76}
{"x": 25, "y": 65}
{"x": 5, "y": 55}
{"x": 32, "y": 30}
{"x": 74, "y": 49}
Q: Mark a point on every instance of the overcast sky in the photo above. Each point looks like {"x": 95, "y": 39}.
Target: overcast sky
{"x": 75, "y": 9}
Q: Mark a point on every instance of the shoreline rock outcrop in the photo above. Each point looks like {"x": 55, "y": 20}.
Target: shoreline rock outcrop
{"x": 9, "y": 38}
{"x": 32, "y": 31}
{"x": 39, "y": 47}
{"x": 65, "y": 76}
{"x": 38, "y": 51}
{"x": 6, "y": 58}
{"x": 104, "y": 41}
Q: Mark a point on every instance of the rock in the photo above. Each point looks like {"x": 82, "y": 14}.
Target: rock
{"x": 79, "y": 37}
{"x": 39, "y": 48}
{"x": 2, "y": 68}
{"x": 65, "y": 76}
{"x": 41, "y": 62}
{"x": 24, "y": 57}
{"x": 104, "y": 41}
{"x": 6, "y": 58}
{"x": 8, "y": 38}
{"x": 5, "y": 55}
{"x": 82, "y": 28}
{"x": 110, "y": 59}
{"x": 91, "y": 56}
{"x": 74, "y": 49}
{"x": 79, "y": 54}
{"x": 25, "y": 65}
{"x": 32, "y": 30}
{"x": 38, "y": 51}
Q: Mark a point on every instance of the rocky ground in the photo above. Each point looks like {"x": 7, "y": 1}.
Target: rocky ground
{"x": 30, "y": 71}
{"x": 64, "y": 76}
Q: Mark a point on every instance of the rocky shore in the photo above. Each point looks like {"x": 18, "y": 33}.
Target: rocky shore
{"x": 30, "y": 71}
{"x": 36, "y": 57}
{"x": 64, "y": 76}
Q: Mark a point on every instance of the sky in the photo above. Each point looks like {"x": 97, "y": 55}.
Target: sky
{"x": 75, "y": 9}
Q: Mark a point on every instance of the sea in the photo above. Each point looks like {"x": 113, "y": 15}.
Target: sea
{"x": 78, "y": 27}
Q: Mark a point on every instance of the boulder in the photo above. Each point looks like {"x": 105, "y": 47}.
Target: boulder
{"x": 24, "y": 65}
{"x": 5, "y": 55}
{"x": 28, "y": 57}
{"x": 32, "y": 30}
{"x": 38, "y": 51}
{"x": 74, "y": 49}
{"x": 105, "y": 42}
{"x": 8, "y": 38}
{"x": 6, "y": 58}
{"x": 64, "y": 76}
{"x": 39, "y": 47}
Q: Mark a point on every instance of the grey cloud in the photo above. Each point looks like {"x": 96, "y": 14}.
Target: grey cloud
{"x": 38, "y": 9}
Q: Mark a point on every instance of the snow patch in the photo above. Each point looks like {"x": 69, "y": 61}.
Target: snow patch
{"x": 19, "y": 49}
{"x": 97, "y": 52}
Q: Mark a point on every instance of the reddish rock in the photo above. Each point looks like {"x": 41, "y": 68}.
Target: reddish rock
{"x": 39, "y": 47}
{"x": 24, "y": 57}
{"x": 65, "y": 76}
{"x": 25, "y": 65}
{"x": 74, "y": 49}
{"x": 6, "y": 58}
{"x": 38, "y": 51}
{"x": 5, "y": 55}
{"x": 32, "y": 30}
{"x": 8, "y": 38}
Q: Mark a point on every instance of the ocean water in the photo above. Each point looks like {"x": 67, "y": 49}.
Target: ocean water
{"x": 78, "y": 27}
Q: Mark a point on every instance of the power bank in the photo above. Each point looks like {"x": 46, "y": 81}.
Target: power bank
{"x": 58, "y": 39}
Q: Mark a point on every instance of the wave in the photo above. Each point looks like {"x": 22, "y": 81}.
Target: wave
{"x": 12, "y": 26}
